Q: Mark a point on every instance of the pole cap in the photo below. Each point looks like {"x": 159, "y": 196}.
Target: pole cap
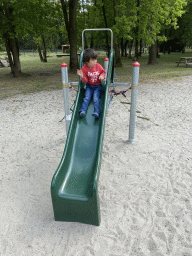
{"x": 136, "y": 64}
{"x": 64, "y": 65}
{"x": 106, "y": 59}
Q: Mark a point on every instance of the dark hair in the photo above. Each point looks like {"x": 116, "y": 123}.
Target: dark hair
{"x": 89, "y": 53}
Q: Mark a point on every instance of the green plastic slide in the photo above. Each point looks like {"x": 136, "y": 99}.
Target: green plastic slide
{"x": 74, "y": 187}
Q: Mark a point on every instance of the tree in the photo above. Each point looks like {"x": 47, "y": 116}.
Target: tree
{"x": 106, "y": 26}
{"x": 125, "y": 26}
{"x": 125, "y": 18}
{"x": 96, "y": 14}
{"x": 184, "y": 32}
{"x": 9, "y": 34}
{"x": 137, "y": 32}
{"x": 116, "y": 41}
{"x": 69, "y": 9}
{"x": 21, "y": 18}
{"x": 153, "y": 15}
{"x": 43, "y": 18}
{"x": 144, "y": 19}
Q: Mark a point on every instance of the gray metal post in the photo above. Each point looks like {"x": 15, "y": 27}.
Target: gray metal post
{"x": 65, "y": 83}
{"x": 106, "y": 64}
{"x": 134, "y": 86}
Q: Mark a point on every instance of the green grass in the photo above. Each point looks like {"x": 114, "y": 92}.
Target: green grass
{"x": 38, "y": 76}
{"x": 166, "y": 68}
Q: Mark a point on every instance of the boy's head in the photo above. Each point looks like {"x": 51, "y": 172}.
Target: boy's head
{"x": 88, "y": 54}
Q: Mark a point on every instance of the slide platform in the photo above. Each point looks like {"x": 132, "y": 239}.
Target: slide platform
{"x": 74, "y": 187}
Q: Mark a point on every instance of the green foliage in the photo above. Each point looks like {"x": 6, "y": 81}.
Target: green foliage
{"x": 126, "y": 19}
{"x": 185, "y": 25}
{"x": 154, "y": 14}
{"x": 31, "y": 17}
{"x": 34, "y": 18}
{"x": 7, "y": 10}
{"x": 91, "y": 16}
{"x": 149, "y": 16}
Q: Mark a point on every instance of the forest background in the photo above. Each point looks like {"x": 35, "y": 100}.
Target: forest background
{"x": 45, "y": 25}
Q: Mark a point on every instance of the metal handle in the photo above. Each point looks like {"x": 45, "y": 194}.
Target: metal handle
{"x": 97, "y": 29}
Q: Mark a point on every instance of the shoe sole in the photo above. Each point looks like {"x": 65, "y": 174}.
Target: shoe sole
{"x": 96, "y": 116}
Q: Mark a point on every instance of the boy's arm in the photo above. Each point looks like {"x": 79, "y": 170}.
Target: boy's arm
{"x": 80, "y": 73}
{"x": 84, "y": 79}
{"x": 102, "y": 73}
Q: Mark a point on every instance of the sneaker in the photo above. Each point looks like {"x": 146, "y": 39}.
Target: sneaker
{"x": 95, "y": 115}
{"x": 82, "y": 114}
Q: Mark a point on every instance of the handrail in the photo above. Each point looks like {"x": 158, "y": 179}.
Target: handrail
{"x": 97, "y": 29}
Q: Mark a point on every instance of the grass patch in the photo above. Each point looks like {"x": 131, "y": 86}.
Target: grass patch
{"x": 166, "y": 68}
{"x": 38, "y": 76}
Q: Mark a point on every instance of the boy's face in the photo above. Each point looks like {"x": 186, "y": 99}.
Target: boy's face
{"x": 91, "y": 63}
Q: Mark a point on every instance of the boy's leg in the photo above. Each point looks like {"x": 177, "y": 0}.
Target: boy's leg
{"x": 86, "y": 99}
{"x": 97, "y": 98}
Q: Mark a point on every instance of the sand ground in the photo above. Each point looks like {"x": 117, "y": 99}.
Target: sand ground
{"x": 145, "y": 187}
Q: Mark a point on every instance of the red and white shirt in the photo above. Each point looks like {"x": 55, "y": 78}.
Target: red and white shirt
{"x": 91, "y": 75}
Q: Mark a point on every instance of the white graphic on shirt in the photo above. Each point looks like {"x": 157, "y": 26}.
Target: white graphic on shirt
{"x": 94, "y": 76}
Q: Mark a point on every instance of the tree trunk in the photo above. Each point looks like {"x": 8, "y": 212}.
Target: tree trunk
{"x": 118, "y": 61}
{"x": 71, "y": 26}
{"x": 13, "y": 55}
{"x": 40, "y": 53}
{"x": 141, "y": 44}
{"x": 8, "y": 49}
{"x": 122, "y": 48}
{"x": 136, "y": 49}
{"x": 125, "y": 48}
{"x": 65, "y": 15}
{"x": 157, "y": 50}
{"x": 106, "y": 26}
{"x": 130, "y": 48}
{"x": 11, "y": 42}
{"x": 44, "y": 49}
{"x": 137, "y": 35}
{"x": 73, "y": 35}
{"x": 91, "y": 43}
{"x": 152, "y": 55}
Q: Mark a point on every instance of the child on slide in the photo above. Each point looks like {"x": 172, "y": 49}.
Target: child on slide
{"x": 92, "y": 73}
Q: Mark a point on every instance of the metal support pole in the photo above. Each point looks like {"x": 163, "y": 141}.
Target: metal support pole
{"x": 134, "y": 86}
{"x": 106, "y": 64}
{"x": 65, "y": 83}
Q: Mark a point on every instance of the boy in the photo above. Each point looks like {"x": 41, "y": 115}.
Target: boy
{"x": 92, "y": 73}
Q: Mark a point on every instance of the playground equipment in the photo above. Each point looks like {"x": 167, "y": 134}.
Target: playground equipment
{"x": 134, "y": 86}
{"x": 74, "y": 187}
{"x": 65, "y": 82}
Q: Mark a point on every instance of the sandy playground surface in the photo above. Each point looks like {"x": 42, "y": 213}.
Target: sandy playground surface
{"x": 145, "y": 188}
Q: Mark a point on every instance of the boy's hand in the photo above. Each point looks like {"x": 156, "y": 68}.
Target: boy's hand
{"x": 80, "y": 73}
{"x": 101, "y": 78}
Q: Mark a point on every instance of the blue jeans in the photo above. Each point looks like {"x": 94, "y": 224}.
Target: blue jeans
{"x": 90, "y": 91}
